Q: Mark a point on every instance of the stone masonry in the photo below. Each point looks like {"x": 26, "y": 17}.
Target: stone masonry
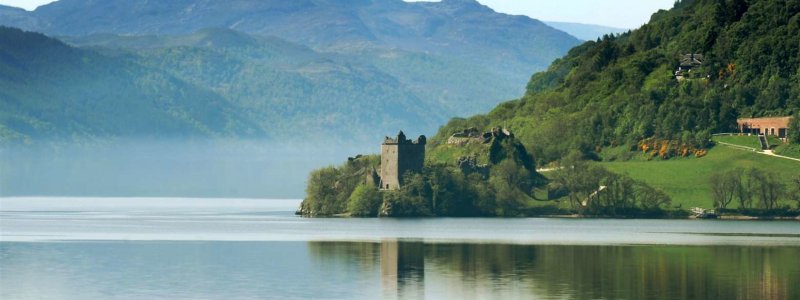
{"x": 398, "y": 157}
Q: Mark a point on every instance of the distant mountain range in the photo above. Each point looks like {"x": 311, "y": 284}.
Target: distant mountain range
{"x": 335, "y": 68}
{"x": 51, "y": 90}
{"x": 586, "y": 32}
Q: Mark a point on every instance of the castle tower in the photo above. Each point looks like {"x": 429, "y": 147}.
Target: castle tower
{"x": 399, "y": 156}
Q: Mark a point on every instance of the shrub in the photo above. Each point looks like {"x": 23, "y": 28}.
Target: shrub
{"x": 365, "y": 201}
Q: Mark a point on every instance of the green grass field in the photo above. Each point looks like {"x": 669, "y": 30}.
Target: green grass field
{"x": 686, "y": 181}
{"x": 790, "y": 150}
{"x": 744, "y": 141}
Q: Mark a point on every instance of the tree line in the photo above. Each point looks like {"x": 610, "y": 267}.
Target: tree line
{"x": 752, "y": 188}
{"x": 592, "y": 190}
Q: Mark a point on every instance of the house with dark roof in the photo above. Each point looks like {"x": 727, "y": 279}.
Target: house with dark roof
{"x": 687, "y": 63}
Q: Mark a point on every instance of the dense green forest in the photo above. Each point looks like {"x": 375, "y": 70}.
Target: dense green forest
{"x": 620, "y": 90}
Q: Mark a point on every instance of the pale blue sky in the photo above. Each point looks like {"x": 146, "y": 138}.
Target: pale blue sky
{"x": 617, "y": 13}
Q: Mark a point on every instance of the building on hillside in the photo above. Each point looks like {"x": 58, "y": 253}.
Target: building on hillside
{"x": 776, "y": 126}
{"x": 687, "y": 63}
{"x": 691, "y": 60}
{"x": 398, "y": 157}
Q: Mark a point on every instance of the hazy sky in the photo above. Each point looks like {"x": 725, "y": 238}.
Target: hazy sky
{"x": 617, "y": 13}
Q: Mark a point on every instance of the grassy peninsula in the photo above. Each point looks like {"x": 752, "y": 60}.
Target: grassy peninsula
{"x": 494, "y": 177}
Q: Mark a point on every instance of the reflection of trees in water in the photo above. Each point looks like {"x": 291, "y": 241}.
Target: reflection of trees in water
{"x": 643, "y": 272}
{"x": 633, "y": 272}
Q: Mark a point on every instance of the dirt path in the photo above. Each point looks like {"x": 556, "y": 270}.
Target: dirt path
{"x": 545, "y": 170}
{"x": 771, "y": 153}
{"x": 765, "y": 152}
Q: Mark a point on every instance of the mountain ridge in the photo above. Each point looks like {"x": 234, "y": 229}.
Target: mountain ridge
{"x": 55, "y": 90}
{"x": 44, "y": 94}
{"x": 460, "y": 28}
{"x": 583, "y": 31}
{"x": 366, "y": 67}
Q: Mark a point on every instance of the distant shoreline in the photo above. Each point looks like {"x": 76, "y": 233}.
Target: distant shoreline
{"x": 578, "y": 216}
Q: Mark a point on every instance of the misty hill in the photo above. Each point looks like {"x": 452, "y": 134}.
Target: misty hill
{"x": 621, "y": 90}
{"x": 586, "y": 32}
{"x": 18, "y": 17}
{"x": 216, "y": 83}
{"x": 440, "y": 85}
{"x": 354, "y": 69}
{"x": 49, "y": 89}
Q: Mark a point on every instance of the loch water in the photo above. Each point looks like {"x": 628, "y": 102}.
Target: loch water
{"x": 158, "y": 248}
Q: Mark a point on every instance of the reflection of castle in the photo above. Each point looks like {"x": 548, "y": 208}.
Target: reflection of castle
{"x": 398, "y": 156}
{"x": 403, "y": 269}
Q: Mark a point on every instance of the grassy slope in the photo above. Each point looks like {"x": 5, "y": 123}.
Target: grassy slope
{"x": 791, "y": 150}
{"x": 449, "y": 154}
{"x": 687, "y": 180}
{"x": 746, "y": 141}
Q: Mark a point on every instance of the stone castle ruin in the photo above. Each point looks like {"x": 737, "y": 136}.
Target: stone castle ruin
{"x": 399, "y": 156}
{"x": 468, "y": 136}
{"x": 474, "y": 136}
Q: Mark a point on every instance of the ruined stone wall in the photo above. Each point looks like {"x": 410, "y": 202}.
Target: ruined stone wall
{"x": 411, "y": 158}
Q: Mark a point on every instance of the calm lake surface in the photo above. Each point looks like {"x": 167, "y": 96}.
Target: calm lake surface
{"x": 128, "y": 248}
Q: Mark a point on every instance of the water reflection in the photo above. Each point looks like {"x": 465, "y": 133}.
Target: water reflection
{"x": 474, "y": 271}
{"x": 392, "y": 270}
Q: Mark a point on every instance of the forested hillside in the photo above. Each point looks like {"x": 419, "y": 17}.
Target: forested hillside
{"x": 617, "y": 97}
{"x": 621, "y": 90}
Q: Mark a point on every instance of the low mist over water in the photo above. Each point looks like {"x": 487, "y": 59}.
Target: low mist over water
{"x": 144, "y": 168}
